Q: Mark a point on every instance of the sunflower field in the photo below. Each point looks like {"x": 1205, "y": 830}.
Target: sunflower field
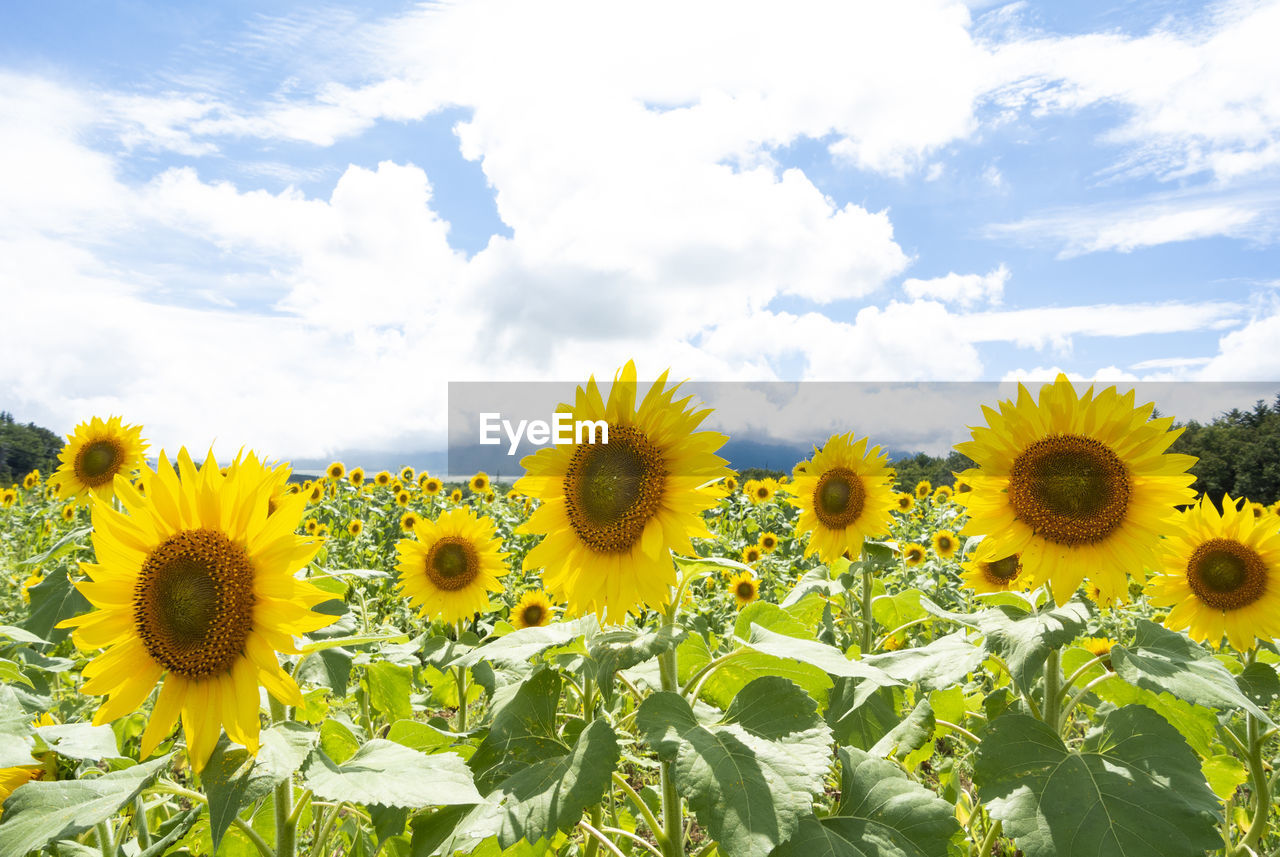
{"x": 627, "y": 653}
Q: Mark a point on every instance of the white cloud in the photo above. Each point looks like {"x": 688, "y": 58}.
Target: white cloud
{"x": 963, "y": 289}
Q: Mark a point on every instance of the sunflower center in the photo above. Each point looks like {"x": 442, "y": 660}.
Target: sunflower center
{"x": 193, "y": 603}
{"x": 944, "y": 543}
{"x": 452, "y": 563}
{"x": 532, "y": 614}
{"x": 97, "y": 462}
{"x": 1003, "y": 570}
{"x": 1226, "y": 574}
{"x": 1070, "y": 489}
{"x": 838, "y": 498}
{"x": 613, "y": 489}
{"x": 746, "y": 589}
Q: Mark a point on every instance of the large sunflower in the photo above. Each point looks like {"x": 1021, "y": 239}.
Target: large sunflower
{"x": 999, "y": 575}
{"x": 1074, "y": 484}
{"x": 96, "y": 451}
{"x": 195, "y": 587}
{"x": 452, "y": 565}
{"x": 1221, "y": 575}
{"x": 846, "y": 496}
{"x": 611, "y": 512}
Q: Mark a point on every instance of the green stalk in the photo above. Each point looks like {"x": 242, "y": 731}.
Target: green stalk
{"x": 1261, "y": 788}
{"x": 1052, "y": 692}
{"x": 868, "y": 624}
{"x": 105, "y": 843}
{"x": 286, "y": 824}
{"x": 461, "y": 673}
{"x": 984, "y": 850}
{"x": 672, "y": 818}
{"x": 140, "y": 823}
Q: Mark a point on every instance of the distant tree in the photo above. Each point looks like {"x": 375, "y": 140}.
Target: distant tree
{"x": 938, "y": 470}
{"x": 1238, "y": 452}
{"x": 24, "y": 448}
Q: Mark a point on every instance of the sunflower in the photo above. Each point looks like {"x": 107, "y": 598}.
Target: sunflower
{"x": 923, "y": 489}
{"x": 311, "y": 525}
{"x": 25, "y": 587}
{"x": 1075, "y": 484}
{"x": 431, "y": 486}
{"x": 409, "y": 520}
{"x": 533, "y": 610}
{"x": 999, "y": 575}
{"x": 904, "y": 501}
{"x": 760, "y": 490}
{"x": 383, "y": 478}
{"x": 768, "y": 542}
{"x": 316, "y": 493}
{"x": 844, "y": 498}
{"x": 96, "y": 451}
{"x": 451, "y": 566}
{"x": 12, "y": 778}
{"x": 355, "y": 527}
{"x": 945, "y": 544}
{"x": 751, "y": 554}
{"x": 31, "y": 480}
{"x": 402, "y": 499}
{"x": 195, "y": 587}
{"x": 322, "y": 531}
{"x": 730, "y": 484}
{"x": 941, "y": 494}
{"x": 407, "y": 474}
{"x": 611, "y": 512}
{"x": 1258, "y": 510}
{"x": 1099, "y": 647}
{"x": 1221, "y": 575}
{"x": 8, "y": 497}
{"x": 456, "y": 495}
{"x": 801, "y": 468}
{"x": 914, "y": 554}
{"x": 68, "y": 512}
{"x": 961, "y": 487}
{"x": 356, "y": 477}
{"x": 479, "y": 483}
{"x": 336, "y": 471}
{"x": 745, "y": 588}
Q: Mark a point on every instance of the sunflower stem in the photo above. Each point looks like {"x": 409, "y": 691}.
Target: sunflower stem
{"x": 672, "y": 818}
{"x": 868, "y": 623}
{"x": 105, "y": 842}
{"x": 984, "y": 850}
{"x": 140, "y": 823}
{"x": 461, "y": 672}
{"x": 286, "y": 824}
{"x": 1052, "y": 683}
{"x": 1260, "y": 785}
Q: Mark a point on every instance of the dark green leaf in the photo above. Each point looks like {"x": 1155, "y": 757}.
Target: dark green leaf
{"x": 625, "y": 648}
{"x": 52, "y": 600}
{"x": 386, "y": 773}
{"x": 945, "y": 662}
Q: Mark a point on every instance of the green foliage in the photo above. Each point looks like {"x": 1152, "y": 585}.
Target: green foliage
{"x": 1238, "y": 452}
{"x": 937, "y": 470}
{"x": 24, "y": 448}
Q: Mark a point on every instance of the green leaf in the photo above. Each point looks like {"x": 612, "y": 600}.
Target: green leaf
{"x": 728, "y": 680}
{"x": 389, "y": 774}
{"x": 19, "y": 635}
{"x": 891, "y": 611}
{"x": 337, "y": 740}
{"x": 52, "y": 600}
{"x": 15, "y": 731}
{"x": 882, "y": 813}
{"x": 176, "y": 830}
{"x": 80, "y": 741}
{"x": 389, "y": 687}
{"x": 1224, "y": 774}
{"x": 67, "y": 543}
{"x": 1022, "y": 637}
{"x": 943, "y": 663}
{"x": 861, "y": 719}
{"x": 420, "y": 736}
{"x": 625, "y": 648}
{"x": 772, "y": 617}
{"x": 1259, "y": 683}
{"x": 41, "y": 812}
{"x": 908, "y": 735}
{"x": 11, "y": 672}
{"x": 1133, "y": 789}
{"x": 1164, "y": 660}
{"x": 826, "y": 658}
{"x": 1195, "y": 723}
{"x": 233, "y": 779}
{"x": 329, "y": 668}
{"x": 750, "y": 778}
{"x": 519, "y": 647}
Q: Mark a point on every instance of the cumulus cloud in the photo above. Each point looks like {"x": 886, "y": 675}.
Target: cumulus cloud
{"x": 963, "y": 289}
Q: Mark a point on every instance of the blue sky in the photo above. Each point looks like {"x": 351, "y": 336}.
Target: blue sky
{"x": 289, "y": 226}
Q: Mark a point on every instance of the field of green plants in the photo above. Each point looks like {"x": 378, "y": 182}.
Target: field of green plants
{"x": 1063, "y": 653}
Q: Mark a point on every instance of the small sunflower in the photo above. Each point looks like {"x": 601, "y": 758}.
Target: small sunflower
{"x": 903, "y": 501}
{"x": 612, "y": 512}
{"x": 355, "y": 527}
{"x": 999, "y": 575}
{"x": 745, "y": 588}
{"x": 456, "y": 495}
{"x": 315, "y": 493}
{"x": 407, "y": 474}
{"x": 923, "y": 489}
{"x": 1221, "y": 576}
{"x": 196, "y": 588}
{"x": 356, "y": 477}
{"x": 751, "y": 554}
{"x": 322, "y": 531}
{"x": 1074, "y": 484}
{"x": 1258, "y": 511}
{"x": 336, "y": 471}
{"x": 8, "y": 497}
{"x": 845, "y": 497}
{"x": 31, "y": 480}
{"x": 479, "y": 483}
{"x": 383, "y": 478}
{"x": 760, "y": 491}
{"x": 730, "y": 484}
{"x": 409, "y": 520}
{"x": 431, "y": 486}
{"x": 402, "y": 499}
{"x": 962, "y": 487}
{"x": 913, "y": 554}
{"x": 533, "y": 610}
{"x": 945, "y": 544}
{"x": 451, "y": 566}
{"x": 942, "y": 494}
{"x": 25, "y": 586}
{"x": 768, "y": 542}
{"x": 801, "y": 468}
{"x": 96, "y": 451}
{"x": 68, "y": 512}
{"x": 1099, "y": 647}
{"x": 311, "y": 525}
